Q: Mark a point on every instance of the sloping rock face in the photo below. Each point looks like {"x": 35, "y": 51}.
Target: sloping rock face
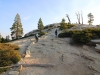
{"x": 68, "y": 59}
{"x": 82, "y": 26}
{"x": 94, "y": 57}
{"x": 52, "y": 50}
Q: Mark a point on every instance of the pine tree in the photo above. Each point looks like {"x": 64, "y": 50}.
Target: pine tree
{"x": 40, "y": 25}
{"x": 3, "y": 40}
{"x": 82, "y": 17}
{"x": 16, "y": 29}
{"x": 63, "y": 25}
{"x": 90, "y": 17}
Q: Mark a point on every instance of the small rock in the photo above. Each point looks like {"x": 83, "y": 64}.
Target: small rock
{"x": 27, "y": 56}
{"x": 27, "y": 52}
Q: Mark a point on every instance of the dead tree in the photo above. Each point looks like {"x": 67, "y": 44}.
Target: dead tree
{"x": 78, "y": 17}
{"x": 82, "y": 17}
{"x": 68, "y": 18}
{"x": 28, "y": 65}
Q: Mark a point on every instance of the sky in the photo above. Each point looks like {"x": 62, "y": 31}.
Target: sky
{"x": 50, "y": 11}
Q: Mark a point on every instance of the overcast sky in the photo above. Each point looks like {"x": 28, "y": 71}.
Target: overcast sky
{"x": 51, "y": 11}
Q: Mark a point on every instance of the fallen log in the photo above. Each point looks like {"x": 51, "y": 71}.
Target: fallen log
{"x": 30, "y": 65}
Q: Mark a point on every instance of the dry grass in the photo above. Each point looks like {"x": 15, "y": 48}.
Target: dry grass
{"x": 5, "y": 46}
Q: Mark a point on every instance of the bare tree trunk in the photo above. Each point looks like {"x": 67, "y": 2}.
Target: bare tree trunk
{"x": 68, "y": 18}
{"x": 28, "y": 65}
{"x": 82, "y": 17}
{"x": 78, "y": 17}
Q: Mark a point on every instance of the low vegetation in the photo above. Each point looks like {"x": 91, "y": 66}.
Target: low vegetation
{"x": 3, "y": 70}
{"x": 82, "y": 36}
{"x": 9, "y": 54}
{"x": 4, "y": 46}
{"x": 41, "y": 34}
{"x": 49, "y": 26}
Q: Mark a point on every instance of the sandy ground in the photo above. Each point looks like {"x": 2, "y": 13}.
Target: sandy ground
{"x": 68, "y": 59}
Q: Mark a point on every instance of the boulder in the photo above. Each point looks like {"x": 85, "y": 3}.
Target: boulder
{"x": 27, "y": 53}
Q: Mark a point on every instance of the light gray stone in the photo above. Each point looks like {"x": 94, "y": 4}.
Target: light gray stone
{"x": 97, "y": 47}
{"x": 13, "y": 73}
{"x": 27, "y": 53}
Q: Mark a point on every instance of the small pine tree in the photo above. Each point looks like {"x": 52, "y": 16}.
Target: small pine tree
{"x": 17, "y": 30}
{"x": 3, "y": 40}
{"x": 40, "y": 25}
{"x": 63, "y": 25}
{"x": 90, "y": 17}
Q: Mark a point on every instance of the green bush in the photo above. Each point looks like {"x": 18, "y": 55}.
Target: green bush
{"x": 9, "y": 54}
{"x": 49, "y": 26}
{"x": 41, "y": 34}
{"x": 46, "y": 27}
{"x": 70, "y": 25}
{"x": 82, "y": 36}
{"x": 64, "y": 34}
{"x": 8, "y": 57}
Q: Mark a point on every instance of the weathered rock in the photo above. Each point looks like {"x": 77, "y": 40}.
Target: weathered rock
{"x": 97, "y": 47}
{"x": 94, "y": 68}
{"x": 96, "y": 40}
{"x": 27, "y": 53}
{"x": 13, "y": 73}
